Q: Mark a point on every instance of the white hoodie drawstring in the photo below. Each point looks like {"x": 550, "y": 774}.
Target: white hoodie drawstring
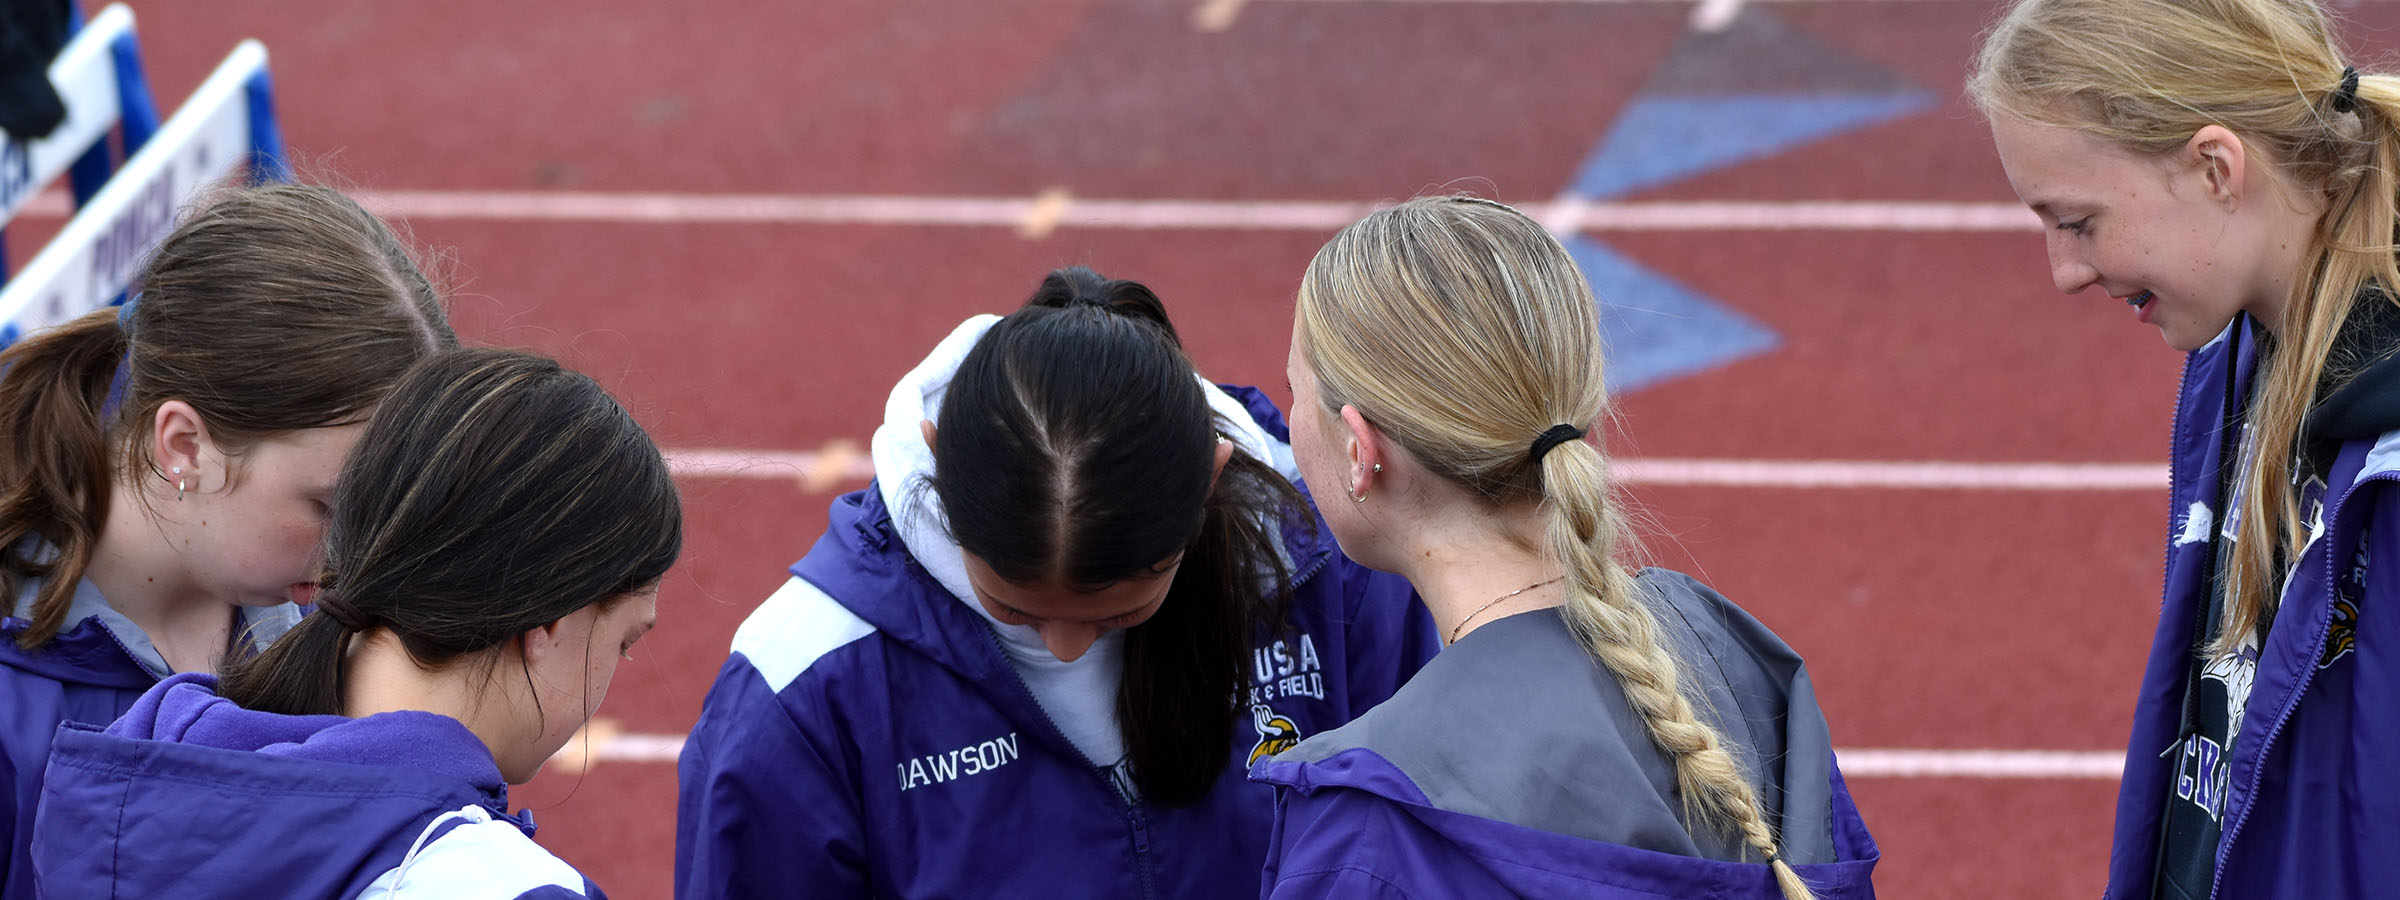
{"x": 475, "y": 815}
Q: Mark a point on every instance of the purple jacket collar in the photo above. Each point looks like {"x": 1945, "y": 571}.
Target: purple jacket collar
{"x": 185, "y": 709}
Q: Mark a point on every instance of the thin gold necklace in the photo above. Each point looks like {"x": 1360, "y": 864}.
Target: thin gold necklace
{"x": 1462, "y": 623}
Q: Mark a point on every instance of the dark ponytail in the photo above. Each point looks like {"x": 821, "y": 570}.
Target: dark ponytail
{"x": 493, "y": 492}
{"x": 1076, "y": 444}
{"x": 272, "y": 309}
{"x": 1177, "y": 713}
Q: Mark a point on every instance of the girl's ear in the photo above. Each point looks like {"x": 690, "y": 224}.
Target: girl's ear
{"x": 538, "y": 642}
{"x": 1364, "y": 443}
{"x": 181, "y": 448}
{"x": 1224, "y": 454}
{"x": 2218, "y": 158}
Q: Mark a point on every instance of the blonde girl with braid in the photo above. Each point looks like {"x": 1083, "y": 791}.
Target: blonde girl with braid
{"x": 2224, "y": 169}
{"x": 1591, "y": 731}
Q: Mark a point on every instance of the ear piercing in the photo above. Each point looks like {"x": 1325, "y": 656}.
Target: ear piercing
{"x": 1362, "y": 497}
{"x": 179, "y": 480}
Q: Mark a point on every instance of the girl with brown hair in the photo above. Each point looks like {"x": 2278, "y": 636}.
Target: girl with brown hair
{"x": 496, "y": 546}
{"x": 165, "y": 469}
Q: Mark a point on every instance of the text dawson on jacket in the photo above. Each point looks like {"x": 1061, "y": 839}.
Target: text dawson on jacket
{"x": 973, "y": 759}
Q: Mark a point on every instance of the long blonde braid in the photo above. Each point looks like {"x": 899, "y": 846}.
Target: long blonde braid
{"x": 1464, "y": 330}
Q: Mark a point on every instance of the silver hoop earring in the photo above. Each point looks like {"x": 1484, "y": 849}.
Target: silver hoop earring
{"x": 178, "y": 470}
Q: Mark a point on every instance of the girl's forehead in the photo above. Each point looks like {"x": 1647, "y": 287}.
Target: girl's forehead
{"x": 2052, "y": 164}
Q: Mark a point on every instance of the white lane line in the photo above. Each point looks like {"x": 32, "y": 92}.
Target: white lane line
{"x": 607, "y": 745}
{"x": 842, "y": 463}
{"x": 1712, "y": 16}
{"x": 1893, "y": 474}
{"x": 1217, "y": 15}
{"x": 1808, "y": 215}
{"x": 1564, "y": 217}
{"x": 1883, "y": 763}
{"x": 1043, "y": 215}
{"x": 1055, "y": 209}
{"x": 1242, "y": 215}
{"x": 1574, "y": 2}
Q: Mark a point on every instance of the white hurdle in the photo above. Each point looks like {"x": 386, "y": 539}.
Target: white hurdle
{"x": 93, "y": 86}
{"x": 225, "y": 127}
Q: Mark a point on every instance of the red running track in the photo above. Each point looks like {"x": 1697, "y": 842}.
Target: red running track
{"x": 1934, "y": 618}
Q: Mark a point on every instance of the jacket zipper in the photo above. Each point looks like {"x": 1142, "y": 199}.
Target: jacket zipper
{"x": 2175, "y": 482}
{"x": 1135, "y": 824}
{"x": 2291, "y": 704}
{"x": 1311, "y": 572}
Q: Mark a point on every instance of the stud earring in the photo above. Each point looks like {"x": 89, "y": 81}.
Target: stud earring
{"x": 1362, "y": 498}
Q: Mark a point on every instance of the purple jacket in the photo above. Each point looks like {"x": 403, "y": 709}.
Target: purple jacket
{"x": 868, "y": 737}
{"x": 1513, "y": 766}
{"x": 191, "y": 796}
{"x": 91, "y": 673}
{"x": 2306, "y": 813}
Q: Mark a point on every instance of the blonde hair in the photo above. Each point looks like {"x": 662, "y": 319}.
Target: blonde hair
{"x": 1463, "y": 330}
{"x": 2147, "y": 75}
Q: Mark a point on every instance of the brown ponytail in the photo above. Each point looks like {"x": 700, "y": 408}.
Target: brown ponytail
{"x": 54, "y": 484}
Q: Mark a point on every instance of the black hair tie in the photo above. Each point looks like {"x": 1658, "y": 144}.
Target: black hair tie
{"x": 342, "y": 614}
{"x": 2345, "y": 98}
{"x": 1558, "y": 434}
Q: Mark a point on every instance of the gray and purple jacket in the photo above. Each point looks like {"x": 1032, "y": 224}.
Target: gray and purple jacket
{"x": 1512, "y": 766}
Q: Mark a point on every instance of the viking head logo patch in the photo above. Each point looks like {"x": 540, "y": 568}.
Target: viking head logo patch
{"x": 2342, "y": 636}
{"x": 1276, "y": 733}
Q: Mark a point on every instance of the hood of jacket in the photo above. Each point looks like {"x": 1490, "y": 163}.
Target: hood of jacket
{"x": 190, "y": 795}
{"x": 1488, "y": 726}
{"x": 2361, "y": 394}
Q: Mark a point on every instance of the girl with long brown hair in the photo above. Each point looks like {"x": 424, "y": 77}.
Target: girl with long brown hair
{"x": 166, "y": 468}
{"x": 496, "y": 546}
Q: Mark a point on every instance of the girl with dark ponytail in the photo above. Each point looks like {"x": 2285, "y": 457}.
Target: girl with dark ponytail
{"x": 165, "y": 467}
{"x": 496, "y": 545}
{"x": 1085, "y": 592}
